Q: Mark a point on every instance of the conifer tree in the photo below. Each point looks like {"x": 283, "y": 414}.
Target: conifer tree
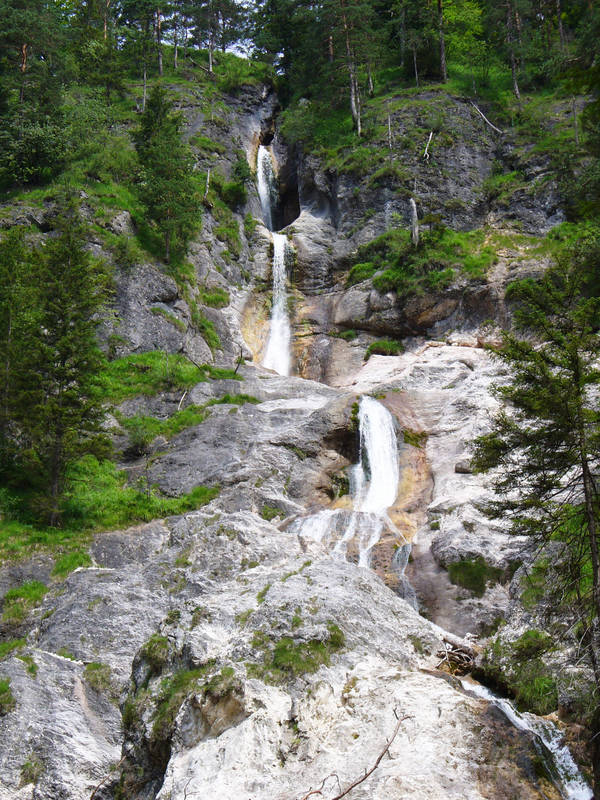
{"x": 546, "y": 441}
{"x": 56, "y": 408}
{"x": 18, "y": 312}
{"x": 168, "y": 191}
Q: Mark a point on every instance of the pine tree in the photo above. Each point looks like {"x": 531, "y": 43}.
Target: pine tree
{"x": 18, "y": 316}
{"x": 546, "y": 441}
{"x": 168, "y": 192}
{"x": 56, "y": 408}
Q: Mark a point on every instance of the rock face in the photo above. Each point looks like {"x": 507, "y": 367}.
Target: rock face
{"x": 226, "y": 653}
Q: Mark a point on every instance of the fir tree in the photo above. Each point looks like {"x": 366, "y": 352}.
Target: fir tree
{"x": 56, "y": 407}
{"x": 168, "y": 191}
{"x": 546, "y": 441}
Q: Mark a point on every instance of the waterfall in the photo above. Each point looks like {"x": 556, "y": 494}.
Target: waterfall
{"x": 414, "y": 222}
{"x": 377, "y": 472}
{"x": 375, "y": 477}
{"x": 277, "y": 354}
{"x": 374, "y": 487}
{"x": 570, "y": 780}
{"x": 267, "y": 184}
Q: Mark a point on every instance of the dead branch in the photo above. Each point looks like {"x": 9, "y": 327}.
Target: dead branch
{"x": 106, "y": 777}
{"x": 181, "y": 401}
{"x": 485, "y": 119}
{"x": 388, "y": 744}
{"x": 320, "y": 789}
{"x": 369, "y": 772}
{"x": 426, "y": 151}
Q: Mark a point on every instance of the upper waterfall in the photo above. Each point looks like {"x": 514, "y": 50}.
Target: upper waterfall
{"x": 267, "y": 184}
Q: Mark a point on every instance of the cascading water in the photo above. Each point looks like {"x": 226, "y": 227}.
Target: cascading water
{"x": 569, "y": 779}
{"x": 277, "y": 353}
{"x": 267, "y": 184}
{"x": 374, "y": 487}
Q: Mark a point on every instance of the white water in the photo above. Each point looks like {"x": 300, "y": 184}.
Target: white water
{"x": 277, "y": 354}
{"x": 267, "y": 184}
{"x": 570, "y": 780}
{"x": 414, "y": 222}
{"x": 373, "y": 485}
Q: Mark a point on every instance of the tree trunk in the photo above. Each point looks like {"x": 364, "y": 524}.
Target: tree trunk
{"x": 144, "y": 93}
{"x": 511, "y": 50}
{"x": 443, "y": 67}
{"x": 56, "y": 467}
{"x": 330, "y": 49}
{"x": 106, "y": 7}
{"x": 175, "y": 52}
{"x": 159, "y": 40}
{"x": 211, "y": 47}
{"x": 354, "y": 88}
{"x": 561, "y": 30}
{"x": 414, "y": 50}
{"x": 168, "y": 246}
{"x": 370, "y": 81}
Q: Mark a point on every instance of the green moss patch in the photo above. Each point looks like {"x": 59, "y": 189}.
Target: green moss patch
{"x": 286, "y": 658}
{"x": 474, "y": 574}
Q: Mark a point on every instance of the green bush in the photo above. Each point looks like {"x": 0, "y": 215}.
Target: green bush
{"x": 234, "y": 194}
{"x": 215, "y": 298}
{"x": 156, "y": 652}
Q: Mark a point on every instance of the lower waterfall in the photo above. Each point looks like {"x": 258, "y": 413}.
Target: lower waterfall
{"x": 373, "y": 485}
{"x": 277, "y": 353}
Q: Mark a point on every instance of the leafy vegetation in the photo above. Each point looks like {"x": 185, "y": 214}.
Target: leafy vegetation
{"x": 143, "y": 430}
{"x": 19, "y": 600}
{"x": 7, "y": 700}
{"x": 153, "y": 372}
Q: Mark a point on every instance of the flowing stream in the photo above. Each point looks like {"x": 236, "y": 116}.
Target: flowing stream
{"x": 278, "y": 351}
{"x": 566, "y": 774}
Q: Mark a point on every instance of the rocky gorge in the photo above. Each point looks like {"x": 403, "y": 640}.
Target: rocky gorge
{"x": 235, "y": 651}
